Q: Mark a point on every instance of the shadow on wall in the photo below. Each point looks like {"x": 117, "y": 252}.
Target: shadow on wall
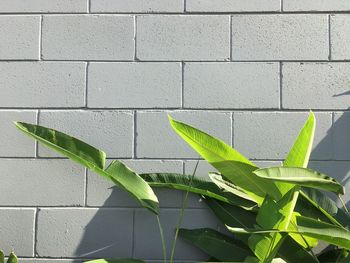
{"x": 104, "y": 237}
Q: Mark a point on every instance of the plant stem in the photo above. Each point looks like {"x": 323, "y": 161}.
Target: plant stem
{"x": 162, "y": 238}
{"x": 344, "y": 206}
{"x": 182, "y": 212}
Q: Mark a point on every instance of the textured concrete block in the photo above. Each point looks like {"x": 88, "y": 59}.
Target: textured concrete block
{"x": 315, "y": 85}
{"x": 101, "y": 192}
{"x": 280, "y": 37}
{"x": 340, "y": 37}
{"x": 231, "y": 85}
{"x": 19, "y": 37}
{"x": 28, "y": 182}
{"x": 156, "y": 139}
{"x": 139, "y": 85}
{"x": 136, "y": 6}
{"x": 316, "y": 5}
{"x": 110, "y": 131}
{"x": 341, "y": 138}
{"x": 43, "y": 6}
{"x": 14, "y": 143}
{"x": 90, "y": 37}
{"x": 85, "y": 233}
{"x": 183, "y": 38}
{"x": 147, "y": 239}
{"x": 232, "y": 6}
{"x": 17, "y": 231}
{"x": 270, "y": 135}
{"x": 47, "y": 84}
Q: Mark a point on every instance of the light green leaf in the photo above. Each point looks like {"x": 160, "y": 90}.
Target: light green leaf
{"x": 66, "y": 145}
{"x": 299, "y": 154}
{"x": 198, "y": 186}
{"x": 229, "y": 162}
{"x": 2, "y": 257}
{"x": 216, "y": 245}
{"x": 301, "y": 176}
{"x": 115, "y": 261}
{"x": 94, "y": 159}
{"x": 134, "y": 184}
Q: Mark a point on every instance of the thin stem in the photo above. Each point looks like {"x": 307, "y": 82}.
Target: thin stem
{"x": 182, "y": 212}
{"x": 344, "y": 206}
{"x": 162, "y": 238}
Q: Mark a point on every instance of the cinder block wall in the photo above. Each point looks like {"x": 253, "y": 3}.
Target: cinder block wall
{"x": 108, "y": 71}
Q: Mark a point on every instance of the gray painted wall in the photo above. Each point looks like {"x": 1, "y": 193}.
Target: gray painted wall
{"x": 108, "y": 71}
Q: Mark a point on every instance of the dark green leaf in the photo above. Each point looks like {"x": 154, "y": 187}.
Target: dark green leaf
{"x": 115, "y": 261}
{"x": 12, "y": 258}
{"x": 216, "y": 244}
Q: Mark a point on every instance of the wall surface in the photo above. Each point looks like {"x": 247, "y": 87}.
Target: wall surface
{"x": 109, "y": 71}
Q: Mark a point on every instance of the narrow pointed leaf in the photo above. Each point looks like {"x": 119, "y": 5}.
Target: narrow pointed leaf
{"x": 198, "y": 186}
{"x": 134, "y": 184}
{"x": 66, "y": 145}
{"x": 301, "y": 176}
{"x": 216, "y": 245}
{"x": 229, "y": 162}
{"x": 299, "y": 154}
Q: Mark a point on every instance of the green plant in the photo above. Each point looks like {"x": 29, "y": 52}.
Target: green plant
{"x": 276, "y": 213}
{"x": 11, "y": 259}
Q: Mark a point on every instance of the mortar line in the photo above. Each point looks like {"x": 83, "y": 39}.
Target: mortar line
{"x": 185, "y": 6}
{"x": 85, "y": 187}
{"x": 281, "y": 6}
{"x": 133, "y": 234}
{"x": 182, "y": 85}
{"x": 231, "y": 43}
{"x": 329, "y": 39}
{"x": 332, "y": 136}
{"x": 219, "y": 61}
{"x": 280, "y": 85}
{"x": 135, "y": 38}
{"x": 41, "y": 37}
{"x": 86, "y": 85}
{"x": 88, "y": 6}
{"x": 36, "y": 231}
{"x": 134, "y": 142}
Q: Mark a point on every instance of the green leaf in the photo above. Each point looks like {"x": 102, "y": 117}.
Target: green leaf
{"x": 2, "y": 257}
{"x": 12, "y": 258}
{"x": 229, "y": 162}
{"x": 334, "y": 255}
{"x": 301, "y": 176}
{"x": 299, "y": 154}
{"x": 66, "y": 145}
{"x": 309, "y": 227}
{"x": 216, "y": 245}
{"x": 93, "y": 159}
{"x": 198, "y": 186}
{"x": 115, "y": 261}
{"x": 134, "y": 184}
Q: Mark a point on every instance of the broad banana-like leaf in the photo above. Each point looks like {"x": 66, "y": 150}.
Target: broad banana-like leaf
{"x": 115, "y": 261}
{"x": 66, "y": 145}
{"x": 94, "y": 159}
{"x": 301, "y": 176}
{"x": 12, "y": 258}
{"x": 309, "y": 227}
{"x": 2, "y": 257}
{"x": 216, "y": 244}
{"x": 198, "y": 186}
{"x": 229, "y": 162}
{"x": 134, "y": 184}
{"x": 231, "y": 215}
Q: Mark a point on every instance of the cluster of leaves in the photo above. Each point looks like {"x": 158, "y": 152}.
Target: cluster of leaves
{"x": 276, "y": 213}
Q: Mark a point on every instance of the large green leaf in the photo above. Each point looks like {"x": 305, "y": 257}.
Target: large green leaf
{"x": 66, "y": 145}
{"x": 198, "y": 186}
{"x": 301, "y": 176}
{"x": 2, "y": 257}
{"x": 309, "y": 227}
{"x": 93, "y": 159}
{"x": 134, "y": 184}
{"x": 216, "y": 244}
{"x": 12, "y": 258}
{"x": 229, "y": 162}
